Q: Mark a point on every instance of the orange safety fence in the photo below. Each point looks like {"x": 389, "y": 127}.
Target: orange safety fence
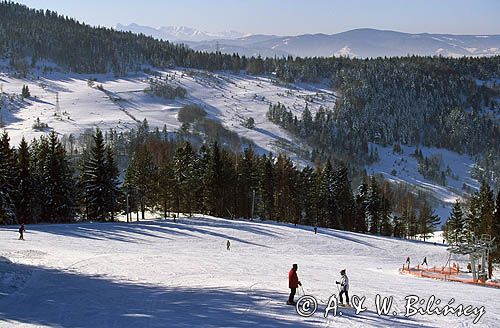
{"x": 445, "y": 274}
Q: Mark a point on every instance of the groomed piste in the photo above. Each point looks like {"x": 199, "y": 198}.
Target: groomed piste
{"x": 158, "y": 273}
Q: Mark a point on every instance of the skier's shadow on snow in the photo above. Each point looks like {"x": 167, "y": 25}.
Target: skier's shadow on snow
{"x": 62, "y": 299}
{"x": 146, "y": 231}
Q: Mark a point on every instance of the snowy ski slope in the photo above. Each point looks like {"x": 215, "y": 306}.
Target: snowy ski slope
{"x": 163, "y": 274}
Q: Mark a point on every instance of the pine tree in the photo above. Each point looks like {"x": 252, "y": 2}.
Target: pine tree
{"x": 373, "y": 206}
{"x": 247, "y": 181}
{"x": 25, "y": 92}
{"x": 456, "y": 225}
{"x": 141, "y": 179}
{"x": 187, "y": 178}
{"x": 308, "y": 196}
{"x": 386, "y": 220}
{"x": 326, "y": 201}
{"x": 56, "y": 178}
{"x": 111, "y": 186}
{"x": 167, "y": 187}
{"x": 307, "y": 122}
{"x": 289, "y": 175}
{"x": 8, "y": 177}
{"x": 472, "y": 220}
{"x": 25, "y": 199}
{"x": 342, "y": 193}
{"x": 94, "y": 178}
{"x": 486, "y": 209}
{"x": 214, "y": 182}
{"x": 267, "y": 186}
{"x": 361, "y": 200}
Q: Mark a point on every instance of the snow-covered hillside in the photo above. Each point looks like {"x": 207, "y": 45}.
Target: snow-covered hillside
{"x": 68, "y": 104}
{"x": 165, "y": 274}
{"x": 403, "y": 168}
{"x": 226, "y": 97}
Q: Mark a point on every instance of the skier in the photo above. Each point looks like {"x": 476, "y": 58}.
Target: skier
{"x": 425, "y": 261}
{"x": 22, "y": 230}
{"x": 293, "y": 284}
{"x": 408, "y": 262}
{"x": 228, "y": 245}
{"x": 315, "y": 230}
{"x": 344, "y": 287}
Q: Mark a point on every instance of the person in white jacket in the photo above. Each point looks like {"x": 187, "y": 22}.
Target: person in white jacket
{"x": 344, "y": 287}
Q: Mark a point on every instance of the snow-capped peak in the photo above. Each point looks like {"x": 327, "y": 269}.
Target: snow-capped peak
{"x": 180, "y": 33}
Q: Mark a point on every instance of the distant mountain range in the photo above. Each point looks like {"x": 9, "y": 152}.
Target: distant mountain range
{"x": 179, "y": 33}
{"x": 354, "y": 43}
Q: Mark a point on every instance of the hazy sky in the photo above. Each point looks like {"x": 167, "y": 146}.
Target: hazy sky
{"x": 289, "y": 17}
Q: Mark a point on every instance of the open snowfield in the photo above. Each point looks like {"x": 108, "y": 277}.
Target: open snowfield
{"x": 163, "y": 274}
{"x": 406, "y": 168}
{"x": 229, "y": 98}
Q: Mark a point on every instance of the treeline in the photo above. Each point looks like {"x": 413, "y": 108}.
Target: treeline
{"x": 40, "y": 182}
{"x": 469, "y": 221}
{"x": 45, "y": 35}
{"x": 339, "y": 133}
{"x": 36, "y": 182}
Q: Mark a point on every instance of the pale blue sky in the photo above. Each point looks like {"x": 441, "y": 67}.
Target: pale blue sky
{"x": 289, "y": 17}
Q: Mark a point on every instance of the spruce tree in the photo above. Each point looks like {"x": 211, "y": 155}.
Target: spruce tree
{"x": 26, "y": 190}
{"x": 8, "y": 177}
{"x": 141, "y": 179}
{"x": 111, "y": 186}
{"x": 486, "y": 209}
{"x": 456, "y": 225}
{"x": 326, "y": 201}
{"x": 57, "y": 194}
{"x": 187, "y": 178}
{"x": 373, "y": 206}
{"x": 342, "y": 193}
{"x": 361, "y": 199}
{"x": 308, "y": 196}
{"x": 25, "y": 93}
{"x": 472, "y": 220}
{"x": 213, "y": 184}
{"x": 167, "y": 187}
{"x": 247, "y": 181}
{"x": 267, "y": 186}
{"x": 94, "y": 178}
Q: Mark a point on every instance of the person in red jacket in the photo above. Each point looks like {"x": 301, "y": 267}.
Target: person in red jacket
{"x": 293, "y": 284}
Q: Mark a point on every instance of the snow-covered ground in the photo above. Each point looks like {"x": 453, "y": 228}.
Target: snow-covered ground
{"x": 405, "y": 167}
{"x": 229, "y": 98}
{"x": 165, "y": 274}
